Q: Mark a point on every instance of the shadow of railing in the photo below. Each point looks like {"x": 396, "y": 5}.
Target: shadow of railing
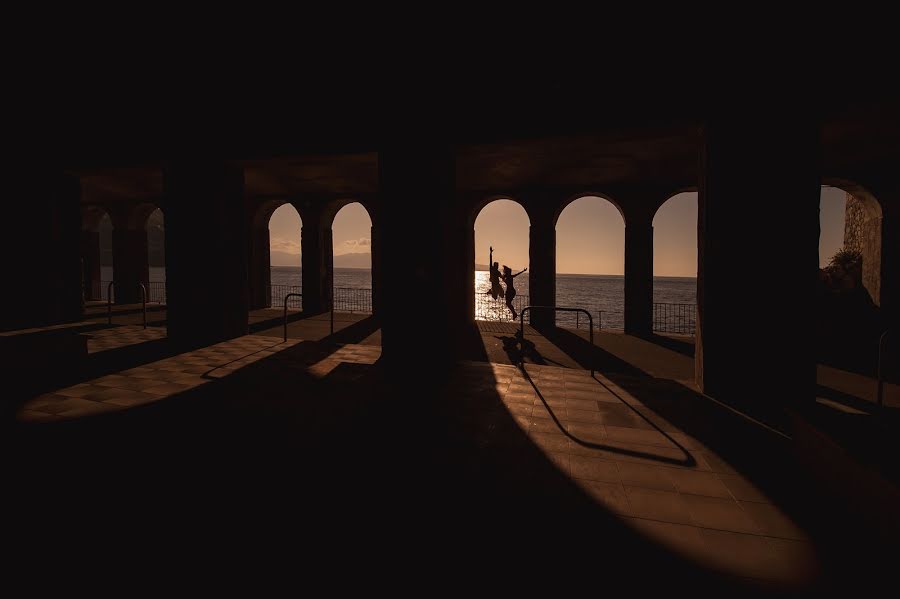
{"x": 688, "y": 460}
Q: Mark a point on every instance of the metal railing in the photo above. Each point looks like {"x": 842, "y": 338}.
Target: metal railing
{"x": 488, "y": 308}
{"x": 344, "y": 299}
{"x": 352, "y": 299}
{"x": 680, "y": 319}
{"x": 109, "y": 302}
{"x": 157, "y": 292}
{"x": 555, "y": 309}
{"x": 278, "y": 293}
{"x": 285, "y": 303}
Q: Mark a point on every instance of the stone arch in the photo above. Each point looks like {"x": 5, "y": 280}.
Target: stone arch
{"x": 483, "y": 202}
{"x": 671, "y": 194}
{"x": 865, "y": 231}
{"x": 91, "y": 215}
{"x": 94, "y": 285}
{"x": 264, "y": 292}
{"x": 347, "y": 291}
{"x": 483, "y": 307}
{"x": 587, "y": 194}
{"x": 139, "y": 214}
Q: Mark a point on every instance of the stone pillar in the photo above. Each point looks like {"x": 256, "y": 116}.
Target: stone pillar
{"x": 40, "y": 251}
{"x": 206, "y": 255}
{"x": 423, "y": 267}
{"x": 375, "y": 248}
{"x": 260, "y": 269}
{"x": 862, "y": 233}
{"x": 130, "y": 264}
{"x": 757, "y": 240}
{"x": 638, "y": 273}
{"x": 90, "y": 264}
{"x": 328, "y": 273}
{"x": 542, "y": 265}
{"x": 312, "y": 249}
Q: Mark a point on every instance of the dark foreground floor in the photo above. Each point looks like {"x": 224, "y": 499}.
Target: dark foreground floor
{"x": 485, "y": 477}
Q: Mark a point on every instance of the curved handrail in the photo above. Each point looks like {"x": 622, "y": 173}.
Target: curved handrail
{"x": 285, "y": 310}
{"x": 555, "y": 309}
{"x": 109, "y": 302}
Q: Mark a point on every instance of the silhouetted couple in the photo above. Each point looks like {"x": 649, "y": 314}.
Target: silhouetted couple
{"x": 496, "y": 290}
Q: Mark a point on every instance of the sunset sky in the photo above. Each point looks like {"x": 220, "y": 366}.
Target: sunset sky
{"x": 590, "y": 235}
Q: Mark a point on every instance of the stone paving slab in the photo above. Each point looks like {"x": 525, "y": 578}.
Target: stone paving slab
{"x": 606, "y": 435}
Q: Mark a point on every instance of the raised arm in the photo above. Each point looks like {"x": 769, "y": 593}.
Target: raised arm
{"x": 491, "y": 259}
{"x": 520, "y": 272}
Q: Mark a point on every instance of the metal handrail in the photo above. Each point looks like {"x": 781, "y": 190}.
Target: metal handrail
{"x": 285, "y": 310}
{"x": 599, "y": 320}
{"x": 109, "y": 302}
{"x": 880, "y": 370}
{"x": 555, "y": 309}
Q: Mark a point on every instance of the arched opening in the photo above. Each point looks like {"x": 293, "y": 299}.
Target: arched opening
{"x": 284, "y": 256}
{"x": 351, "y": 236}
{"x": 96, "y": 253}
{"x": 675, "y": 265}
{"x": 504, "y": 225}
{"x": 590, "y": 263}
{"x": 850, "y": 277}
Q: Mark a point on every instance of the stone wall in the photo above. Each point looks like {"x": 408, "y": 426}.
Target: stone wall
{"x": 862, "y": 233}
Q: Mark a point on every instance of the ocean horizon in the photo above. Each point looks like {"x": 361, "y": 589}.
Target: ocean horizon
{"x": 595, "y": 293}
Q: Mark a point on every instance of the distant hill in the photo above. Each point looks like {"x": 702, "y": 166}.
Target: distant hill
{"x": 482, "y": 267}
{"x": 355, "y": 260}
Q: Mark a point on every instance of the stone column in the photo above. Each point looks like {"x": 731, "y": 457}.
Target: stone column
{"x": 130, "y": 263}
{"x": 259, "y": 269}
{"x": 206, "y": 255}
{"x": 757, "y": 240}
{"x": 90, "y": 264}
{"x": 40, "y": 250}
{"x": 375, "y": 248}
{"x": 638, "y": 273}
{"x": 423, "y": 268}
{"x": 542, "y": 264}
{"x": 312, "y": 244}
{"x": 328, "y": 273}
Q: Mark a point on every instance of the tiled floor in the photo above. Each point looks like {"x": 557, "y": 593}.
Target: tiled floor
{"x": 662, "y": 482}
{"x": 122, "y": 336}
{"x": 642, "y": 451}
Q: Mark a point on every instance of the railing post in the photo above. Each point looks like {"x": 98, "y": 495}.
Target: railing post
{"x": 109, "y": 302}
{"x": 144, "y": 302}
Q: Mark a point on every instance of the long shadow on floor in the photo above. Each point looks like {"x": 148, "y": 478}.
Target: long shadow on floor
{"x": 355, "y": 332}
{"x": 262, "y": 325}
{"x": 763, "y": 456}
{"x": 275, "y": 452}
{"x": 684, "y": 347}
{"x": 586, "y": 355}
{"x": 517, "y": 348}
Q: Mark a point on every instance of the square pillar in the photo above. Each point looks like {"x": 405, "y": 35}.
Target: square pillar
{"x": 423, "y": 266}
{"x": 758, "y": 240}
{"x": 40, "y": 251}
{"x": 639, "y": 275}
{"x": 130, "y": 264}
{"x": 206, "y": 257}
{"x": 260, "y": 269}
{"x": 315, "y": 247}
{"x": 90, "y": 264}
{"x": 542, "y": 269}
